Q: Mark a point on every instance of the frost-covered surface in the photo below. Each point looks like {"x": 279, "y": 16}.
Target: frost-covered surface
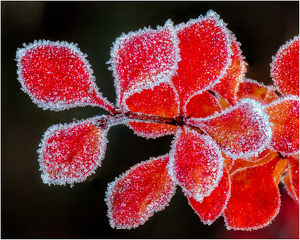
{"x": 285, "y": 67}
{"x": 69, "y": 153}
{"x": 138, "y": 193}
{"x": 196, "y": 163}
{"x": 57, "y": 76}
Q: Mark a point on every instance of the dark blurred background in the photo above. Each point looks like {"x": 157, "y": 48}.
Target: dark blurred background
{"x": 31, "y": 209}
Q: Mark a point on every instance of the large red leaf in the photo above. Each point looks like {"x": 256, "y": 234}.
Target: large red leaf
{"x": 255, "y": 198}
{"x": 229, "y": 84}
{"x": 242, "y": 131}
{"x": 144, "y": 59}
{"x": 285, "y": 67}
{"x": 205, "y": 55}
{"x": 138, "y": 193}
{"x": 252, "y": 89}
{"x": 291, "y": 179}
{"x": 196, "y": 163}
{"x": 69, "y": 153}
{"x": 57, "y": 76}
{"x": 159, "y": 101}
{"x": 284, "y": 116}
{"x": 213, "y": 205}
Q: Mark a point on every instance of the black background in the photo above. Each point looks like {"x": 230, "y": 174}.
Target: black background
{"x": 31, "y": 209}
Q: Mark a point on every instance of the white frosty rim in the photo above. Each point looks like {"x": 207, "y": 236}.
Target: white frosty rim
{"x": 102, "y": 146}
{"x": 171, "y": 163}
{"x": 162, "y": 77}
{"x": 61, "y": 105}
{"x": 274, "y": 58}
{"x": 157, "y": 209}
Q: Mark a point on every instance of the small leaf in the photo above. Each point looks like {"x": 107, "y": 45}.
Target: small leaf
{"x": 284, "y": 116}
{"x": 69, "y": 153}
{"x": 159, "y": 101}
{"x": 196, "y": 163}
{"x": 291, "y": 179}
{"x": 242, "y": 131}
{"x": 138, "y": 193}
{"x": 213, "y": 205}
{"x": 252, "y": 89}
{"x": 205, "y": 55}
{"x": 57, "y": 76}
{"x": 285, "y": 67}
{"x": 255, "y": 198}
{"x": 144, "y": 59}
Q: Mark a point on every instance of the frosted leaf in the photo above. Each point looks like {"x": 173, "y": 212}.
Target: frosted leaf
{"x": 229, "y": 84}
{"x": 196, "y": 163}
{"x": 285, "y": 67}
{"x": 143, "y": 59}
{"x": 250, "y": 88}
{"x": 69, "y": 153}
{"x": 255, "y": 200}
{"x": 213, "y": 205}
{"x": 242, "y": 131}
{"x": 138, "y": 193}
{"x": 205, "y": 55}
{"x": 57, "y": 76}
{"x": 160, "y": 101}
{"x": 284, "y": 116}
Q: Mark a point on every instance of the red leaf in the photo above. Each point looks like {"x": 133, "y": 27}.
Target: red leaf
{"x": 285, "y": 67}
{"x": 196, "y": 163}
{"x": 229, "y": 84}
{"x": 57, "y": 76}
{"x": 205, "y": 55}
{"x": 160, "y": 101}
{"x": 284, "y": 116}
{"x": 252, "y": 89}
{"x": 255, "y": 198}
{"x": 69, "y": 153}
{"x": 144, "y": 59}
{"x": 202, "y": 105}
{"x": 138, "y": 193}
{"x": 242, "y": 131}
{"x": 213, "y": 205}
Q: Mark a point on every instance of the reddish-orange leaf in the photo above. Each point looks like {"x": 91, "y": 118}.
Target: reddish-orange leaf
{"x": 160, "y": 101}
{"x": 143, "y": 59}
{"x": 202, "y": 105}
{"x": 284, "y": 116}
{"x": 69, "y": 153}
{"x": 285, "y": 67}
{"x": 138, "y": 193}
{"x": 196, "y": 163}
{"x": 252, "y": 89}
{"x": 213, "y": 205}
{"x": 229, "y": 84}
{"x": 57, "y": 76}
{"x": 242, "y": 131}
{"x": 205, "y": 55}
{"x": 255, "y": 198}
